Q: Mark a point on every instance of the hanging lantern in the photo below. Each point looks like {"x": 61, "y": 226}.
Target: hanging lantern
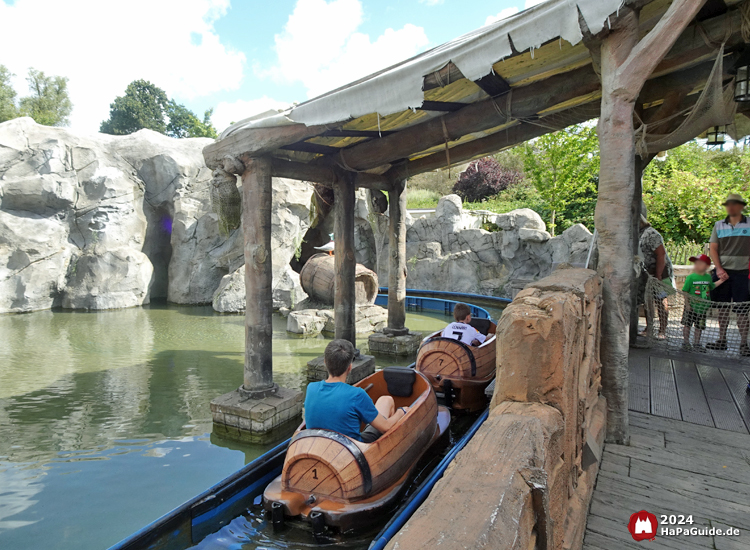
{"x": 716, "y": 136}
{"x": 742, "y": 84}
{"x": 741, "y": 72}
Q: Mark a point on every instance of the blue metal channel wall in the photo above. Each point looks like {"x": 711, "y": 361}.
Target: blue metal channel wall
{"x": 443, "y": 302}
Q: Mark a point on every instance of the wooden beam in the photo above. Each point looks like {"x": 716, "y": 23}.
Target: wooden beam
{"x": 444, "y": 106}
{"x": 493, "y": 143}
{"x": 483, "y": 115}
{"x": 325, "y": 175}
{"x": 397, "y": 260}
{"x": 344, "y": 261}
{"x": 256, "y": 226}
{"x": 439, "y": 79}
{"x": 308, "y": 147}
{"x": 493, "y": 84}
{"x": 258, "y": 141}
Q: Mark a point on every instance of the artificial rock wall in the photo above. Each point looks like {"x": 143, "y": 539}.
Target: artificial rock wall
{"x": 450, "y": 251}
{"x": 101, "y": 222}
{"x": 525, "y": 480}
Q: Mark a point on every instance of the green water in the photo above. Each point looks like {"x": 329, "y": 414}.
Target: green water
{"x": 104, "y": 417}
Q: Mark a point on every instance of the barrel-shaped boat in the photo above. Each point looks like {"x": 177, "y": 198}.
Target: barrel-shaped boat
{"x": 332, "y": 478}
{"x": 318, "y": 275}
{"x": 457, "y": 371}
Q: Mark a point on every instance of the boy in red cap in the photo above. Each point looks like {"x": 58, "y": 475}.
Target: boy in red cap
{"x": 699, "y": 285}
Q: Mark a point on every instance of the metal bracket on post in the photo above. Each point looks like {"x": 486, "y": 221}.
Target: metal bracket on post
{"x": 258, "y": 394}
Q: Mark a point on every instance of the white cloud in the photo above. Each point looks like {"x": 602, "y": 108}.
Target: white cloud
{"x": 227, "y": 112}
{"x": 321, "y": 48}
{"x": 431, "y": 2}
{"x": 103, "y": 46}
{"x": 504, "y": 14}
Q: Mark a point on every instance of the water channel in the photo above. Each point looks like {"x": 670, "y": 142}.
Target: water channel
{"x": 104, "y": 417}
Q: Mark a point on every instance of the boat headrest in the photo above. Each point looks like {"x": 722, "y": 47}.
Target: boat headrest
{"x": 400, "y": 380}
{"x": 482, "y": 325}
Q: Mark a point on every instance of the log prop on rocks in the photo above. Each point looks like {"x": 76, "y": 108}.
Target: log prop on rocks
{"x": 318, "y": 274}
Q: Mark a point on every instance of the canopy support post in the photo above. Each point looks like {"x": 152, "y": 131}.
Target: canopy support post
{"x": 257, "y": 194}
{"x": 626, "y": 64}
{"x": 345, "y": 261}
{"x": 235, "y": 414}
{"x": 397, "y": 261}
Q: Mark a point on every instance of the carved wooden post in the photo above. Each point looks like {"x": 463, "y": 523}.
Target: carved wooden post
{"x": 626, "y": 63}
{"x": 344, "y": 260}
{"x": 397, "y": 260}
{"x": 256, "y": 224}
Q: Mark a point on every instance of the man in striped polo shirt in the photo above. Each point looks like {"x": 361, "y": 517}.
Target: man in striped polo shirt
{"x": 730, "y": 251}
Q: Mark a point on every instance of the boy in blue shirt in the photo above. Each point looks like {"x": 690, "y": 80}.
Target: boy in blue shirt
{"x": 334, "y": 405}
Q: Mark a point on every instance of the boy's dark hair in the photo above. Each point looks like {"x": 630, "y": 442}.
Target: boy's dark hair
{"x": 338, "y": 356}
{"x": 460, "y": 311}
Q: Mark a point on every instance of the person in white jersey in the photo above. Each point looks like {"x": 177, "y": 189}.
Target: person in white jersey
{"x": 461, "y": 330}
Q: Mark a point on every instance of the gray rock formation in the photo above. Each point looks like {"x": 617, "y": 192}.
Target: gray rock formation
{"x": 99, "y": 222}
{"x": 290, "y": 221}
{"x": 449, "y": 251}
{"x": 311, "y": 322}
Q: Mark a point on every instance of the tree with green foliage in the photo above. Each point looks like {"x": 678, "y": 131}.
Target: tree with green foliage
{"x": 49, "y": 103}
{"x": 8, "y": 109}
{"x": 564, "y": 167}
{"x": 183, "y": 123}
{"x": 683, "y": 193}
{"x": 145, "y": 105}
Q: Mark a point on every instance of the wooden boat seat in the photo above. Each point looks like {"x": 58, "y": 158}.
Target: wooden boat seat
{"x": 400, "y": 381}
{"x": 485, "y": 326}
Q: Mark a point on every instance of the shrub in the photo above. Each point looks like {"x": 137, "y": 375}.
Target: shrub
{"x": 484, "y": 178}
{"x": 421, "y": 198}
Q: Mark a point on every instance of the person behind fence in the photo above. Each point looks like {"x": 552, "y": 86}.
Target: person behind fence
{"x": 698, "y": 285}
{"x": 730, "y": 252}
{"x": 334, "y": 405}
{"x": 657, "y": 264}
{"x": 461, "y": 330}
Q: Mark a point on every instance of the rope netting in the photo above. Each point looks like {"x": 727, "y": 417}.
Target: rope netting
{"x": 685, "y": 322}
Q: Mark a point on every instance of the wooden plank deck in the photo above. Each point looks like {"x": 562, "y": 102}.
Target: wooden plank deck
{"x": 689, "y": 455}
{"x": 672, "y": 467}
{"x": 697, "y": 391}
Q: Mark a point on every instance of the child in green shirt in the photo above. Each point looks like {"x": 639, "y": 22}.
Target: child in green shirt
{"x": 699, "y": 285}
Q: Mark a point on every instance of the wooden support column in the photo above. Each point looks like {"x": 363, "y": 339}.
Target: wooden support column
{"x": 626, "y": 63}
{"x": 345, "y": 262}
{"x": 397, "y": 261}
{"x": 256, "y": 224}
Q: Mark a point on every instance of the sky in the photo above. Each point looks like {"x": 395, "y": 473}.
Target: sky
{"x": 239, "y": 57}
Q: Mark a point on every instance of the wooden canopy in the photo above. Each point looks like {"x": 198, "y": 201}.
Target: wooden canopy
{"x": 559, "y": 63}
{"x": 526, "y": 94}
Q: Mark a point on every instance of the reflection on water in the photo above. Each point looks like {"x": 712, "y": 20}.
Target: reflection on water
{"x": 104, "y": 417}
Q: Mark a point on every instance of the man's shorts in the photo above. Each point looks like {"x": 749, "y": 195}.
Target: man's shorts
{"x": 735, "y": 289}
{"x": 369, "y": 434}
{"x": 691, "y": 318}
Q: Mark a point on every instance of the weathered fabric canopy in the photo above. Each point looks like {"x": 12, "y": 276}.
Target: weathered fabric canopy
{"x": 485, "y": 91}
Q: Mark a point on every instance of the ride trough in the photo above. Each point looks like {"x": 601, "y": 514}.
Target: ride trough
{"x": 332, "y": 482}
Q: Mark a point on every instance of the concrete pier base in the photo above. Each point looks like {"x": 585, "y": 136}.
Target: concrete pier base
{"x": 256, "y": 420}
{"x": 386, "y": 343}
{"x": 362, "y": 367}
